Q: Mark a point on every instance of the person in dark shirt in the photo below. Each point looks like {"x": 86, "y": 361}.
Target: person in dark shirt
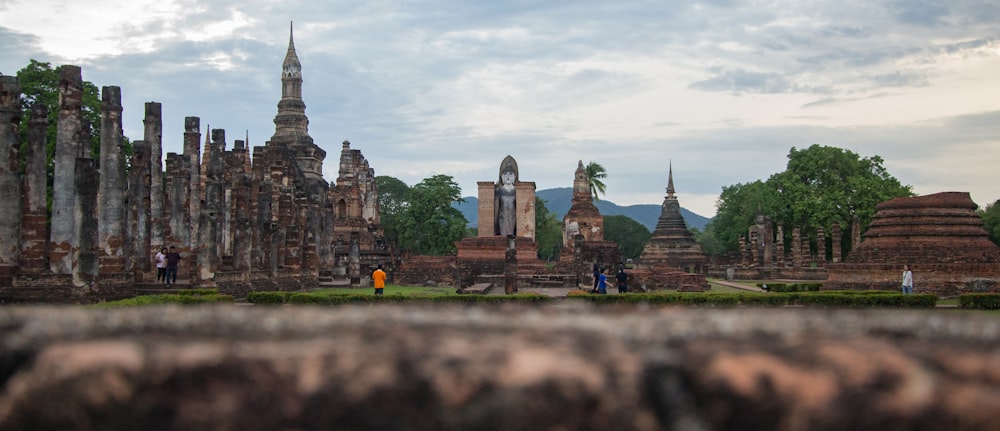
{"x": 622, "y": 278}
{"x": 172, "y": 260}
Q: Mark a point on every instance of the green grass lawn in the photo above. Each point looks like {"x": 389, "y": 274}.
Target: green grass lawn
{"x": 391, "y": 289}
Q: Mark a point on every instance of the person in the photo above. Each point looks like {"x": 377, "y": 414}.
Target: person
{"x": 173, "y": 258}
{"x": 378, "y": 279}
{"x": 597, "y": 277}
{"x": 907, "y": 280}
{"x": 602, "y": 283}
{"x": 505, "y": 202}
{"x": 622, "y": 278}
{"x": 161, "y": 265}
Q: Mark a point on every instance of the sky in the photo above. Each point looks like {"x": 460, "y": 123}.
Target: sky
{"x": 720, "y": 90}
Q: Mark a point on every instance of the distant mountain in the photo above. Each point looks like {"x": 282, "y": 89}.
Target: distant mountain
{"x": 559, "y": 200}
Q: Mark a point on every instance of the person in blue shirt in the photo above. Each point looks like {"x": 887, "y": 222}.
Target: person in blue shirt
{"x": 602, "y": 283}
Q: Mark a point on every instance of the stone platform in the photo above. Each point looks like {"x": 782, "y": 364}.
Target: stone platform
{"x": 564, "y": 366}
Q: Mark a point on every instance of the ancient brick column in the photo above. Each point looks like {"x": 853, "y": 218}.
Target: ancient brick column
{"x": 307, "y": 241}
{"x": 291, "y": 241}
{"x": 767, "y": 244}
{"x": 139, "y": 208}
{"x": 486, "y": 215}
{"x": 70, "y": 144}
{"x": 354, "y": 258}
{"x": 152, "y": 134}
{"x": 327, "y": 256}
{"x": 206, "y": 259}
{"x": 217, "y": 203}
{"x": 807, "y": 255}
{"x": 34, "y": 221}
{"x": 510, "y": 267}
{"x": 820, "y": 246}
{"x": 243, "y": 235}
{"x": 177, "y": 196}
{"x": 780, "y": 246}
{"x": 265, "y": 254}
{"x": 855, "y": 232}
{"x": 743, "y": 250}
{"x": 208, "y": 229}
{"x": 85, "y": 225}
{"x": 835, "y": 237}
{"x": 10, "y": 181}
{"x": 796, "y": 247}
{"x": 111, "y": 188}
{"x": 192, "y": 151}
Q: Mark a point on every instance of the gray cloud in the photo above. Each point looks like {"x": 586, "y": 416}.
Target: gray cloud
{"x": 744, "y": 81}
{"x": 920, "y": 12}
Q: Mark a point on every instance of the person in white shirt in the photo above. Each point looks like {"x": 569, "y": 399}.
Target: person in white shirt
{"x": 907, "y": 280}
{"x": 161, "y": 265}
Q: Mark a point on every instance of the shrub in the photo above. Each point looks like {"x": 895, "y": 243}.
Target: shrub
{"x": 792, "y": 287}
{"x": 267, "y": 298}
{"x": 979, "y": 301}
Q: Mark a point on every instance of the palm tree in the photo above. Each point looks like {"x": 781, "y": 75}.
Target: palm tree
{"x": 596, "y": 173}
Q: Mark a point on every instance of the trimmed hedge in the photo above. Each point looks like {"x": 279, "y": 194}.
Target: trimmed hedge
{"x": 828, "y": 299}
{"x": 267, "y": 298}
{"x": 979, "y": 301}
{"x": 790, "y": 287}
{"x": 824, "y": 299}
{"x": 367, "y": 298}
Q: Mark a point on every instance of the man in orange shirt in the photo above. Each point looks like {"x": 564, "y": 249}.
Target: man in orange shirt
{"x": 378, "y": 278}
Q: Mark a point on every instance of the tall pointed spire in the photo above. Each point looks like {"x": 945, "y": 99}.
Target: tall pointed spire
{"x": 291, "y": 68}
{"x": 291, "y": 126}
{"x": 670, "y": 180}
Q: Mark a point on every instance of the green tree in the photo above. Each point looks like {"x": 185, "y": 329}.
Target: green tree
{"x": 630, "y": 235}
{"x": 40, "y": 82}
{"x": 735, "y": 211}
{"x": 548, "y": 231}
{"x": 430, "y": 225}
{"x": 595, "y": 176}
{"x": 393, "y": 200}
{"x": 991, "y": 220}
{"x": 820, "y": 185}
{"x": 710, "y": 245}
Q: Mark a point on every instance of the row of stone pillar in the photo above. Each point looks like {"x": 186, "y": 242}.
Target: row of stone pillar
{"x": 800, "y": 247}
{"x": 104, "y": 223}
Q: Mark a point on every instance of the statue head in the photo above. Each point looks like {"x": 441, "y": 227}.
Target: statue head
{"x": 508, "y": 171}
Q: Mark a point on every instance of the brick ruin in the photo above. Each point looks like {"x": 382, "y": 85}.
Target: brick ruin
{"x": 671, "y": 258}
{"x": 763, "y": 253}
{"x": 940, "y": 236}
{"x": 490, "y": 260}
{"x": 583, "y": 233}
{"x": 242, "y": 221}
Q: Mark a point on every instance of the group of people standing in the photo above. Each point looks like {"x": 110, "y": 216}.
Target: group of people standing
{"x": 601, "y": 280}
{"x": 166, "y": 265}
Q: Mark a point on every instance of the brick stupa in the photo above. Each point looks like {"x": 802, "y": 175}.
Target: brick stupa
{"x": 672, "y": 244}
{"x": 583, "y": 230}
{"x": 940, "y": 236}
{"x": 672, "y": 258}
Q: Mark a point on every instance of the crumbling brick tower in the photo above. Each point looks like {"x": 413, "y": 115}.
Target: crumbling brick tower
{"x": 357, "y": 229}
{"x": 288, "y": 171}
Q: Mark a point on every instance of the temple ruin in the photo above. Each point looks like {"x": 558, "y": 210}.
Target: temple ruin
{"x": 242, "y": 219}
{"x": 939, "y": 236}
{"x": 671, "y": 259}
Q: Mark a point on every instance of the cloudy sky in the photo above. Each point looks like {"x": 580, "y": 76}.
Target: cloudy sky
{"x": 722, "y": 89}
